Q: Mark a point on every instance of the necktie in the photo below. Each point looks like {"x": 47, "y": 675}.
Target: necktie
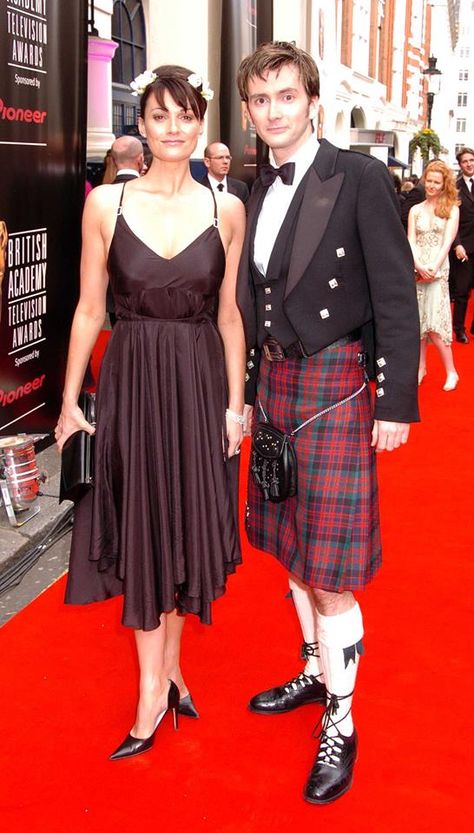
{"x": 268, "y": 174}
{"x": 220, "y": 187}
{"x": 472, "y": 183}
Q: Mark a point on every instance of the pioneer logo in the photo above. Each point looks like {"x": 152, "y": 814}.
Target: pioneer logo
{"x": 9, "y": 113}
{"x": 7, "y": 397}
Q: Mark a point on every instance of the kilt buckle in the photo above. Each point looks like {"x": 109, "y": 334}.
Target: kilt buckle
{"x": 273, "y": 351}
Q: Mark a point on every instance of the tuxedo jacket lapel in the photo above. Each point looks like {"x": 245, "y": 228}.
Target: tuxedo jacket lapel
{"x": 469, "y": 194}
{"x": 321, "y": 193}
{"x": 245, "y": 294}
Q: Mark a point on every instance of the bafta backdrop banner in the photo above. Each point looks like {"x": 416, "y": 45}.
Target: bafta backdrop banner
{"x": 43, "y": 53}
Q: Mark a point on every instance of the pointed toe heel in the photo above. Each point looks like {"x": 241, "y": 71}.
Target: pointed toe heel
{"x": 132, "y": 746}
{"x": 186, "y": 707}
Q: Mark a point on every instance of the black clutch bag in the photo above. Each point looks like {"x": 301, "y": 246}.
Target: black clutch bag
{"x": 77, "y": 457}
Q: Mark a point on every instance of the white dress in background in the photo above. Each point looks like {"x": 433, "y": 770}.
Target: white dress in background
{"x": 433, "y": 297}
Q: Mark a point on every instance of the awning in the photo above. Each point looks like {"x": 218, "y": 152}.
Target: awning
{"x": 392, "y": 162}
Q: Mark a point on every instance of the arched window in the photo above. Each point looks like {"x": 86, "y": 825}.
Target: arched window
{"x": 128, "y": 30}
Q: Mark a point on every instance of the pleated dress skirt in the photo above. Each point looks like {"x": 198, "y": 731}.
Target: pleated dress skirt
{"x": 160, "y": 525}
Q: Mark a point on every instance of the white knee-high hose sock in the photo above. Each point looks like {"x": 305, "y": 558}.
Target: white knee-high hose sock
{"x": 336, "y": 633}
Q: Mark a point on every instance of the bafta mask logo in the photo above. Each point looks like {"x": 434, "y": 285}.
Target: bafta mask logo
{"x": 3, "y": 256}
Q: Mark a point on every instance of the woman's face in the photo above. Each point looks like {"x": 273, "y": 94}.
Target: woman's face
{"x": 171, "y": 132}
{"x": 434, "y": 183}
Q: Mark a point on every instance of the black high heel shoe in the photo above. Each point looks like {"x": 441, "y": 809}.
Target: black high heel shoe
{"x": 135, "y": 746}
{"x": 187, "y": 708}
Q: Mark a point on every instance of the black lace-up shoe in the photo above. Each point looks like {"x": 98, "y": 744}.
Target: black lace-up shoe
{"x": 301, "y": 690}
{"x": 331, "y": 774}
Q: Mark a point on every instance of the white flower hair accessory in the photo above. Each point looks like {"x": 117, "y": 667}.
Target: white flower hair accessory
{"x": 141, "y": 82}
{"x": 196, "y": 81}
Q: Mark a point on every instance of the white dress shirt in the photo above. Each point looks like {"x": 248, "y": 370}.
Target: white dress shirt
{"x": 215, "y": 182}
{"x": 277, "y": 202}
{"x": 467, "y": 180}
{"x": 128, "y": 172}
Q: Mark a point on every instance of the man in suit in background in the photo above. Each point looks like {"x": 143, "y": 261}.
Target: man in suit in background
{"x": 127, "y": 153}
{"x": 462, "y": 254}
{"x": 217, "y": 160}
{"x": 324, "y": 254}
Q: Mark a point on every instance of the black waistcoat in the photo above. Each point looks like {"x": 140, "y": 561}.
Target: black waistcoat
{"x": 270, "y": 288}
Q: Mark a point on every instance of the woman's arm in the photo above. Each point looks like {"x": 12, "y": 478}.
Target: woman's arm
{"x": 88, "y": 317}
{"x": 229, "y": 321}
{"x": 450, "y": 232}
{"x": 420, "y": 268}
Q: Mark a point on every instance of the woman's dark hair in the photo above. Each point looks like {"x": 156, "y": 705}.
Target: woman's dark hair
{"x": 174, "y": 79}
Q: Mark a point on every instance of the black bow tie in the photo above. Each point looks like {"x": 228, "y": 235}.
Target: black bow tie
{"x": 268, "y": 174}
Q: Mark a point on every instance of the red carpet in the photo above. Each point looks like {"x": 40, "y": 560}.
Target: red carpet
{"x": 68, "y": 681}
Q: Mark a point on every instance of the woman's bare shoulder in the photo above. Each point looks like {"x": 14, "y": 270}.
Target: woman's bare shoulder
{"x": 102, "y": 201}
{"x": 231, "y": 206}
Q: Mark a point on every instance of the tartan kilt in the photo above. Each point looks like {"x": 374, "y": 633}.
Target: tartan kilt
{"x": 328, "y": 534}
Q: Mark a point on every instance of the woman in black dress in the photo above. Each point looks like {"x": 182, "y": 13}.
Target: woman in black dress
{"x": 160, "y": 524}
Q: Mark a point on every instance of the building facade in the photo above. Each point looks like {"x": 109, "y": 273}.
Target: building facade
{"x": 371, "y": 55}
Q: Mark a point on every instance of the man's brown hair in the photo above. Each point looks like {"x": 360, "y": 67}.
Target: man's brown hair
{"x": 461, "y": 153}
{"x": 271, "y": 57}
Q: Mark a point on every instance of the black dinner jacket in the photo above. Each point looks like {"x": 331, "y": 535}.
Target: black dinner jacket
{"x": 349, "y": 229}
{"x": 234, "y": 186}
{"x": 465, "y": 235}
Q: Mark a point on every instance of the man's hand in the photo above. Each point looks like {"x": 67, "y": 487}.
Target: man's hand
{"x": 386, "y": 436}
{"x": 461, "y": 253}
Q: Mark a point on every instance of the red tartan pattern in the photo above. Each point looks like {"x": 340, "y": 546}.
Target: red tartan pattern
{"x": 328, "y": 534}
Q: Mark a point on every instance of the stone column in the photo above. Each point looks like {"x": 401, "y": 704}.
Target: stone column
{"x": 99, "y": 97}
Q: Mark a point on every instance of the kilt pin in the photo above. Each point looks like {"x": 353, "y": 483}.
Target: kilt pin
{"x": 328, "y": 534}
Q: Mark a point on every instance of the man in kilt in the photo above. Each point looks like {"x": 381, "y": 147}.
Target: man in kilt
{"x": 325, "y": 256}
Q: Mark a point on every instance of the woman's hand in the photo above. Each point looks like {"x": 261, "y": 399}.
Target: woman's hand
{"x": 234, "y": 436}
{"x": 425, "y": 274}
{"x": 71, "y": 419}
{"x": 248, "y": 415}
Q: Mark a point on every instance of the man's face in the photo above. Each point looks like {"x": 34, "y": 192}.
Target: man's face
{"x": 218, "y": 161}
{"x": 281, "y": 111}
{"x": 466, "y": 163}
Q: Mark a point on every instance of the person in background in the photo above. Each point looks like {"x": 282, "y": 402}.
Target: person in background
{"x": 462, "y": 256}
{"x": 397, "y": 184}
{"x": 406, "y": 187}
{"x": 432, "y": 227}
{"x": 312, "y": 273}
{"x": 110, "y": 169}
{"x": 127, "y": 153}
{"x": 414, "y": 195}
{"x": 217, "y": 160}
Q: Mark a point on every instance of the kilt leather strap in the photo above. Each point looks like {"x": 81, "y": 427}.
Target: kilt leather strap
{"x": 320, "y": 413}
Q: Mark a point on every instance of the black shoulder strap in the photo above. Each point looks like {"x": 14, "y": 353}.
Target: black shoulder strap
{"x": 119, "y": 209}
{"x": 216, "y": 218}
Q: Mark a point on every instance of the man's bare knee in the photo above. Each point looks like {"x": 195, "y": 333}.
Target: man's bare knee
{"x": 330, "y": 604}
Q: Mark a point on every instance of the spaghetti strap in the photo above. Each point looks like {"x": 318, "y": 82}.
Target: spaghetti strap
{"x": 119, "y": 209}
{"x": 216, "y": 218}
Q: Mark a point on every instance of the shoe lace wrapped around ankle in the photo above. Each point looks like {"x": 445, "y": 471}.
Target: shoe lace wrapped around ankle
{"x": 301, "y": 681}
{"x": 309, "y": 649}
{"x": 330, "y": 747}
